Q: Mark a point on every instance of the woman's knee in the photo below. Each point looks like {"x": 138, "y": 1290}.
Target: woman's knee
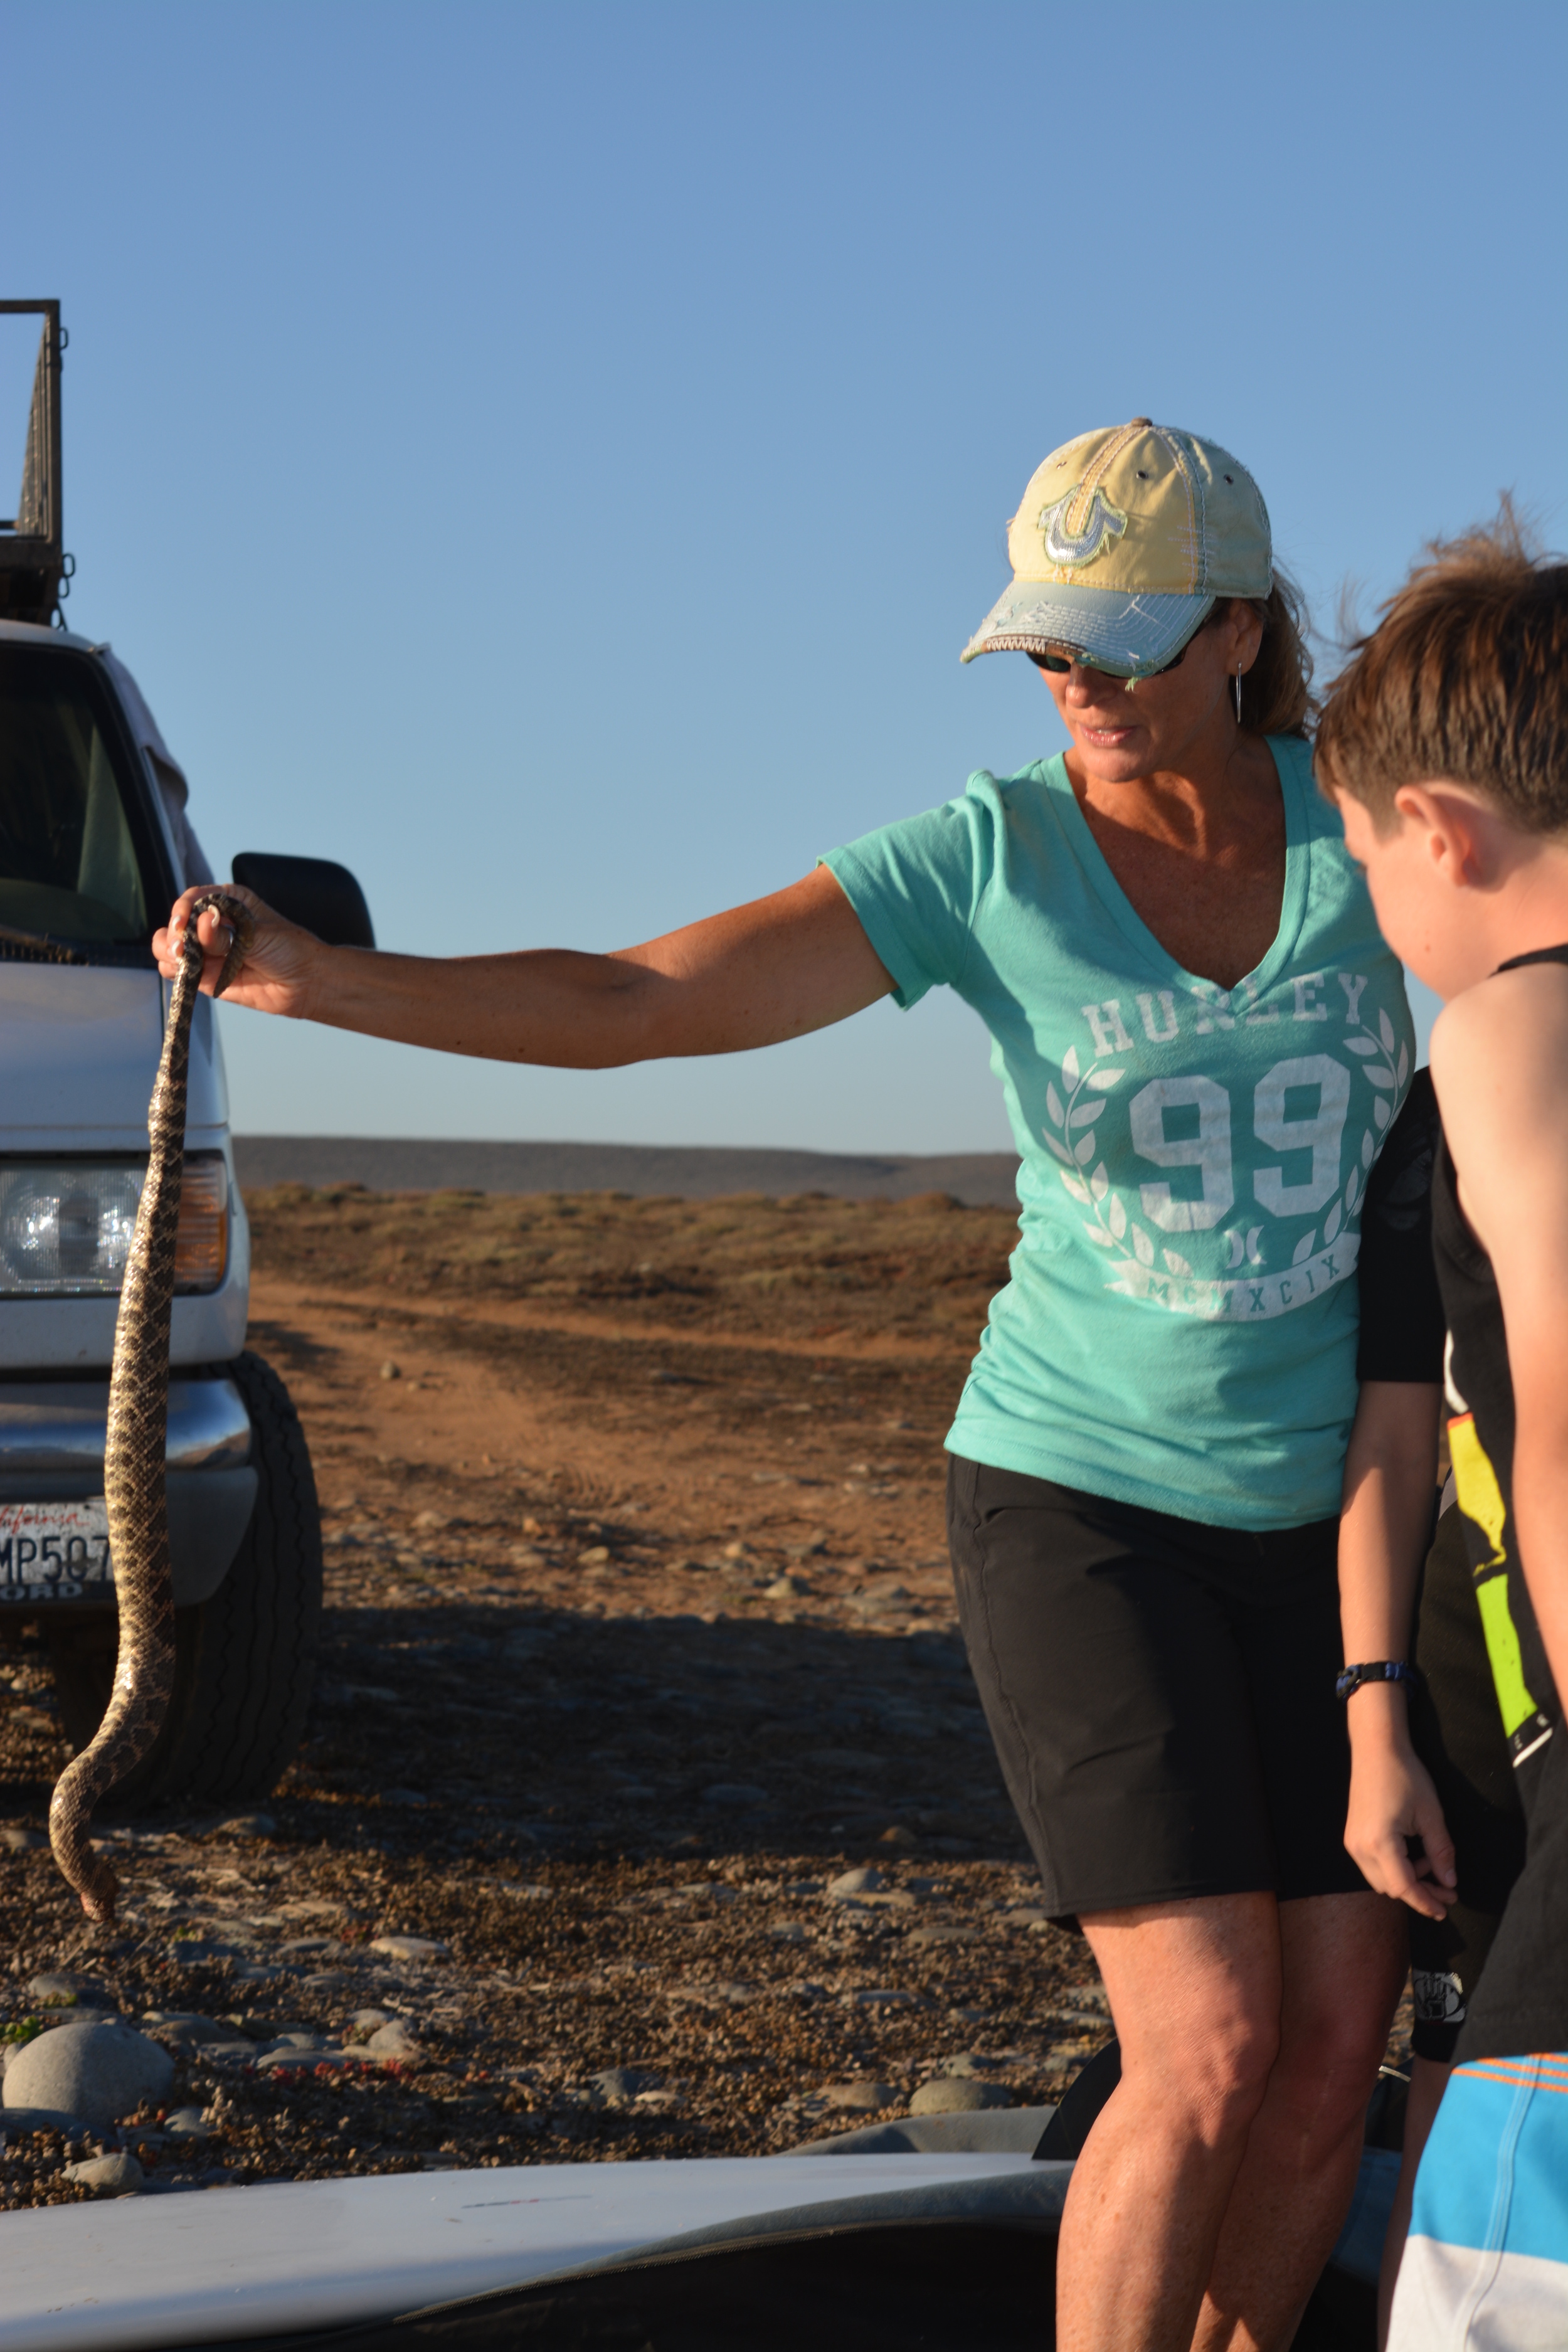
{"x": 1204, "y": 2086}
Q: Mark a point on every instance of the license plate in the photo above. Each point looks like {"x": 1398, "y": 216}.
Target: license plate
{"x": 55, "y": 1551}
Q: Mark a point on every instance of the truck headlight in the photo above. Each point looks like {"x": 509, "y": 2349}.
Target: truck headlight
{"x": 65, "y": 1225}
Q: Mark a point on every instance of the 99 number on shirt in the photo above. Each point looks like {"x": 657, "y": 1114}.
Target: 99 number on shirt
{"x": 1209, "y": 1151}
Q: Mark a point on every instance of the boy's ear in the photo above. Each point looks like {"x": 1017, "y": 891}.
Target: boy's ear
{"x": 1453, "y": 824}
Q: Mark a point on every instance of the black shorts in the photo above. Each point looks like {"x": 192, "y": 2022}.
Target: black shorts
{"x": 1456, "y": 1729}
{"x": 1160, "y": 1693}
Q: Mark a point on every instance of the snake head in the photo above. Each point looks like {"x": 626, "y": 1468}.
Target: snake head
{"x": 99, "y": 1901}
{"x": 241, "y": 925}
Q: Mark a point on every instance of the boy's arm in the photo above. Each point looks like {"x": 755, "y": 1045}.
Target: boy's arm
{"x": 1390, "y": 1477}
{"x": 1499, "y": 1061}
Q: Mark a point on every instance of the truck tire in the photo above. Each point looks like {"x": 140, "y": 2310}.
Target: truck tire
{"x": 245, "y": 1659}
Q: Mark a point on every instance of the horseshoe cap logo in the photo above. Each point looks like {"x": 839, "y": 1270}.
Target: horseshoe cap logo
{"x": 1070, "y": 548}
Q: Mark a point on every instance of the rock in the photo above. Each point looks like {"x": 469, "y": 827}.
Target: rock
{"x": 15, "y": 1840}
{"x": 737, "y": 1552}
{"x": 185, "y": 2029}
{"x": 947, "y": 2096}
{"x": 898, "y": 1836}
{"x": 395, "y": 2040}
{"x": 409, "y": 1948}
{"x": 1026, "y": 1918}
{"x": 186, "y": 2123}
{"x": 290, "y": 2058}
{"x": 247, "y": 1825}
{"x": 391, "y": 1372}
{"x": 97, "y": 2071}
{"x": 622, "y": 2083}
{"x": 364, "y": 2022}
{"x": 108, "y": 2175}
{"x": 328, "y": 1980}
{"x": 737, "y": 1793}
{"x": 789, "y": 1931}
{"x": 785, "y": 1588}
{"x": 66, "y": 1990}
{"x": 963, "y": 2066}
{"x": 597, "y": 1556}
{"x": 861, "y": 2098}
{"x": 878, "y": 1997}
{"x": 427, "y": 1522}
{"x": 867, "y": 1881}
{"x": 924, "y": 1937}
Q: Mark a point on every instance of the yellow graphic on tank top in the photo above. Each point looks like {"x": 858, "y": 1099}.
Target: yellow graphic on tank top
{"x": 1481, "y": 1499}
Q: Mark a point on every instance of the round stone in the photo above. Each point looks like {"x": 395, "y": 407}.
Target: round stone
{"x": 620, "y": 2084}
{"x": 108, "y": 2175}
{"x": 395, "y": 2040}
{"x": 409, "y": 1948}
{"x": 861, "y": 2098}
{"x": 948, "y": 2097}
{"x": 97, "y": 2071}
{"x": 65, "y": 1990}
{"x": 867, "y": 1881}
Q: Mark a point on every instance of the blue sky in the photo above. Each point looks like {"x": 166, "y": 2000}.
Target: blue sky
{"x": 549, "y": 457}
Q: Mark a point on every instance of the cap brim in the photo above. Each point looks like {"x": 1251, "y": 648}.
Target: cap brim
{"x": 1110, "y": 626}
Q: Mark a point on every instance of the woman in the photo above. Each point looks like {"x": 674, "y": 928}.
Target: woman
{"x": 1201, "y": 1039}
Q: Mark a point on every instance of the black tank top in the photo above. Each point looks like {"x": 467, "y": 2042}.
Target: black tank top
{"x": 1522, "y": 2004}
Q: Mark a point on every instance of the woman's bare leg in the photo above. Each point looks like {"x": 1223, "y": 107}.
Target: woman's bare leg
{"x": 1194, "y": 1989}
{"x": 1428, "y": 2081}
{"x": 1343, "y": 1965}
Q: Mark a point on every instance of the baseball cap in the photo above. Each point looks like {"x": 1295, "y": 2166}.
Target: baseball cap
{"x": 1124, "y": 539}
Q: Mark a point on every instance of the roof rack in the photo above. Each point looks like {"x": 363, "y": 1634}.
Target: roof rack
{"x": 33, "y": 566}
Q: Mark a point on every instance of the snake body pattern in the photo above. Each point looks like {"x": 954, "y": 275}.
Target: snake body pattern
{"x": 134, "y": 1461}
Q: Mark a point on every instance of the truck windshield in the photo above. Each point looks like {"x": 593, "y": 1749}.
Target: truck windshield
{"x": 73, "y": 841}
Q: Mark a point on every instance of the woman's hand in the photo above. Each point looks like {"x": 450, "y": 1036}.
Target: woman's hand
{"x": 274, "y": 976}
{"x": 1392, "y": 1799}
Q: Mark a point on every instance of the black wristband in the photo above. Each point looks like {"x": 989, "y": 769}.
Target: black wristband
{"x": 1379, "y": 1670}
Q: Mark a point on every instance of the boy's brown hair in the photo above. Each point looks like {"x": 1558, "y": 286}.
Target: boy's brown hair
{"x": 1465, "y": 677}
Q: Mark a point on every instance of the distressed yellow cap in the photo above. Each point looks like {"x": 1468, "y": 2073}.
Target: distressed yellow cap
{"x": 1124, "y": 539}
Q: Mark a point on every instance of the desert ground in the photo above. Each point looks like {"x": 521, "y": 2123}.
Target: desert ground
{"x": 639, "y": 1636}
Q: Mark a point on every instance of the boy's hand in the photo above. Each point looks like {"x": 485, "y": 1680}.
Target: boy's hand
{"x": 1393, "y": 1800}
{"x": 274, "y": 976}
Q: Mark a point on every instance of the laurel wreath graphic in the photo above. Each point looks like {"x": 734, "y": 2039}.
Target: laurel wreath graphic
{"x": 1385, "y": 1063}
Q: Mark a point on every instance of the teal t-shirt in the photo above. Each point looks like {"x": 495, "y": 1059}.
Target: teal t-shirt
{"x": 1179, "y": 1326}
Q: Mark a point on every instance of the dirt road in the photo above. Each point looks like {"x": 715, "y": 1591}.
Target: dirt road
{"x": 639, "y": 1636}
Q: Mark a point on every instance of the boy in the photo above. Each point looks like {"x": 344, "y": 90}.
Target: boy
{"x": 1445, "y": 744}
{"x": 1429, "y": 1761}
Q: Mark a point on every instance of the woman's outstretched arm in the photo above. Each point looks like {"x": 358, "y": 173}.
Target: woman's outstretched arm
{"x": 755, "y": 976}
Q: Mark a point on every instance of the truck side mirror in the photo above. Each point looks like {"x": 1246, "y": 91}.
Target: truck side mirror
{"x": 310, "y": 891}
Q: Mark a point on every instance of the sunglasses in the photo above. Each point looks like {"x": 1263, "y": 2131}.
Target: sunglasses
{"x": 1059, "y": 664}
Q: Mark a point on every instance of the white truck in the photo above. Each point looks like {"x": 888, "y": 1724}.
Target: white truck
{"x": 94, "y": 845}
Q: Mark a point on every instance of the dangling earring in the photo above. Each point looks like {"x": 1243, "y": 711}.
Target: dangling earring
{"x": 1238, "y": 697}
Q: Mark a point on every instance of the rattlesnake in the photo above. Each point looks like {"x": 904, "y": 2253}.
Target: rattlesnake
{"x": 133, "y": 1457}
